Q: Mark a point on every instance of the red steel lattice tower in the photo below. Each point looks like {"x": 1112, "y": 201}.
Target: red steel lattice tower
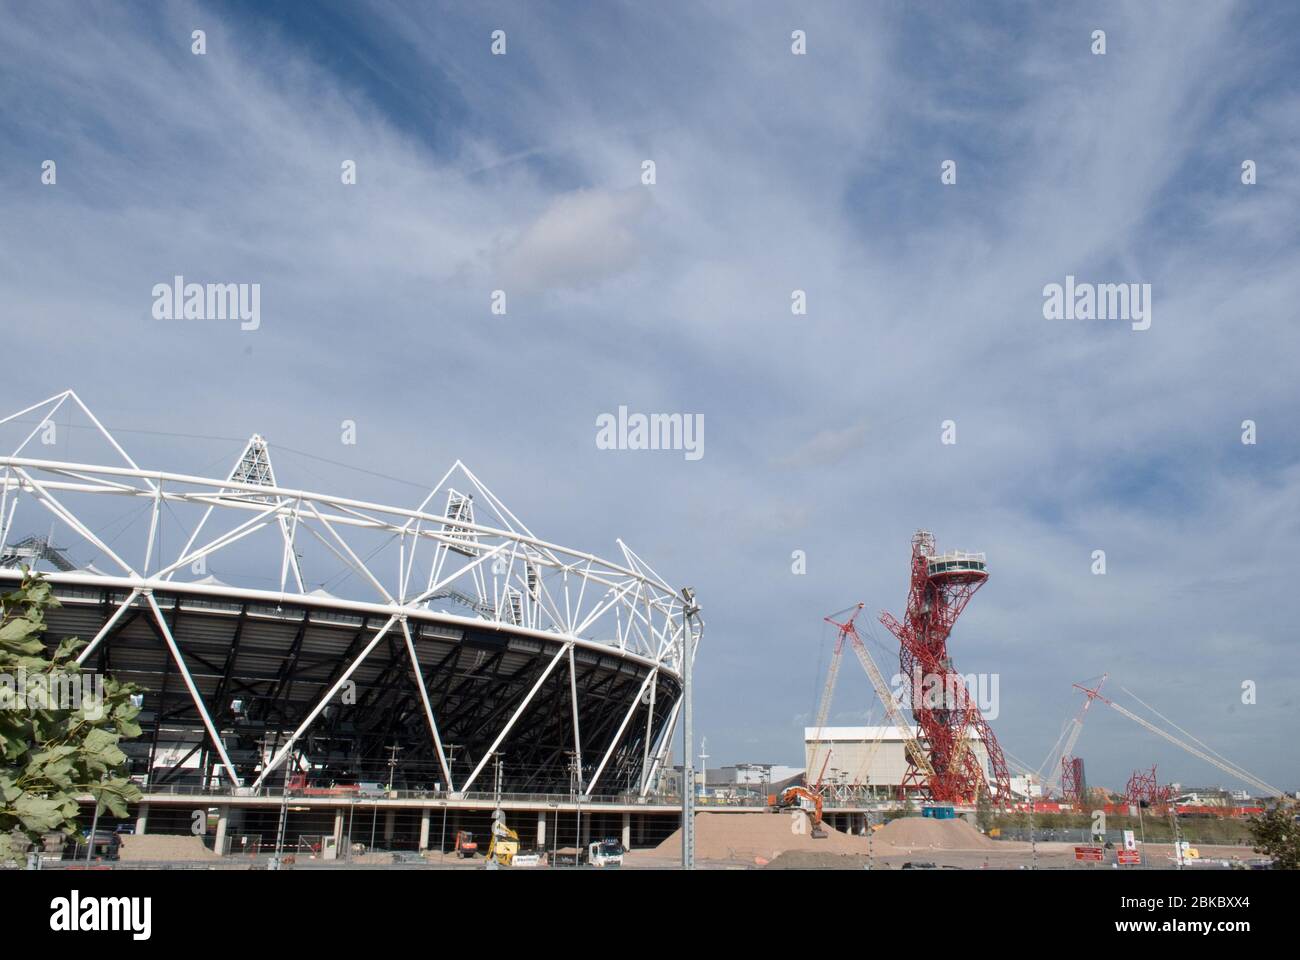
{"x": 1074, "y": 785}
{"x": 1145, "y": 787}
{"x": 949, "y": 720}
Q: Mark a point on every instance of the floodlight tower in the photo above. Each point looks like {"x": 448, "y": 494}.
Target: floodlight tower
{"x": 949, "y": 720}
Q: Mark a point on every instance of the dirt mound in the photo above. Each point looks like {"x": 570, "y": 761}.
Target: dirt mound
{"x": 752, "y": 836}
{"x": 923, "y": 833}
{"x": 812, "y": 860}
{"x": 161, "y": 847}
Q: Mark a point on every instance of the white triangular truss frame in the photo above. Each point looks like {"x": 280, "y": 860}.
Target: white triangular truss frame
{"x": 485, "y": 559}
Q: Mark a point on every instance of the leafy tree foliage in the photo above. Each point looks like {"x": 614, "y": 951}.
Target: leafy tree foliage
{"x": 1277, "y": 835}
{"x": 55, "y": 746}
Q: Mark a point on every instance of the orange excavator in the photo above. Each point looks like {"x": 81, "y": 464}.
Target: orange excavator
{"x": 807, "y": 799}
{"x": 799, "y": 797}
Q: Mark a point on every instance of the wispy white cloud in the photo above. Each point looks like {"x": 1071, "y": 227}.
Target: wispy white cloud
{"x": 774, "y": 173}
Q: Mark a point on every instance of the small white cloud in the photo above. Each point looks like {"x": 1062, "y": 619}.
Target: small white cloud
{"x": 582, "y": 239}
{"x": 828, "y": 447}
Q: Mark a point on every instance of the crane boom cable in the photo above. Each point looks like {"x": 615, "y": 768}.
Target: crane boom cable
{"x": 1054, "y": 753}
{"x": 1054, "y": 773}
{"x": 823, "y": 708}
{"x": 1204, "y": 746}
{"x": 910, "y": 744}
{"x": 1071, "y": 733}
{"x": 1226, "y": 768}
{"x": 1020, "y": 766}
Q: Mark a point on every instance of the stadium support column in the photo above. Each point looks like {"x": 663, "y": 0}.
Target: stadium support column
{"x": 141, "y": 819}
{"x": 627, "y": 831}
{"x": 223, "y": 827}
{"x": 424, "y": 829}
{"x": 689, "y": 610}
{"x": 541, "y": 829}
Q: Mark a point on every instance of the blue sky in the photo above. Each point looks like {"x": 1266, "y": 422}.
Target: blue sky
{"x": 774, "y": 173}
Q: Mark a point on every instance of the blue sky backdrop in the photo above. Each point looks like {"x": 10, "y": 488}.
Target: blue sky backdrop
{"x": 775, "y": 172}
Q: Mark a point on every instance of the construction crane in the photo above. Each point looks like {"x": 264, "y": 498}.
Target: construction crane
{"x": 846, "y": 632}
{"x": 1071, "y": 736}
{"x": 1215, "y": 761}
{"x": 911, "y": 746}
{"x": 824, "y": 704}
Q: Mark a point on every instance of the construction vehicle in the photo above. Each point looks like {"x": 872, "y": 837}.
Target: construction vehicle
{"x": 504, "y": 844}
{"x": 605, "y": 853}
{"x": 809, "y": 801}
{"x": 466, "y": 846}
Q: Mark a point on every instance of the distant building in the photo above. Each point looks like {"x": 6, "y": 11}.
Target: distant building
{"x": 864, "y": 761}
{"x": 1204, "y": 797}
{"x": 739, "y": 782}
{"x": 1027, "y": 787}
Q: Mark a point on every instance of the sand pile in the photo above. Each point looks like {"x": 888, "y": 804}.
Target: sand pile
{"x": 922, "y": 833}
{"x": 810, "y": 860}
{"x": 162, "y": 847}
{"x": 765, "y": 836}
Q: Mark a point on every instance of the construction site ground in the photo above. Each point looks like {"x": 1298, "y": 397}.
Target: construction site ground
{"x": 777, "y": 841}
{"x": 742, "y": 841}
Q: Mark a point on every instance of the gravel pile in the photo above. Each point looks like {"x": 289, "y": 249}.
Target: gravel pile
{"x": 162, "y": 847}
{"x": 750, "y": 836}
{"x": 922, "y": 833}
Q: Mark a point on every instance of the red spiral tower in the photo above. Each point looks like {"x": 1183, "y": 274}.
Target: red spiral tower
{"x": 949, "y": 721}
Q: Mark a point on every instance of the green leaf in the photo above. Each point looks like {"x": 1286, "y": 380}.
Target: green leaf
{"x": 53, "y": 752}
{"x": 38, "y": 814}
{"x": 129, "y": 729}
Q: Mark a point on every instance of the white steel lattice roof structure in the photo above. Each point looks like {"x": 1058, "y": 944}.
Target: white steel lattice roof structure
{"x": 464, "y": 621}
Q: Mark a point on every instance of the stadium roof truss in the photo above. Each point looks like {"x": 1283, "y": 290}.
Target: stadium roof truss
{"x": 460, "y": 544}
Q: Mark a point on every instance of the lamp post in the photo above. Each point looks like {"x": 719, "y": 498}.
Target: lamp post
{"x": 450, "y": 750}
{"x": 690, "y": 611}
{"x": 1142, "y": 830}
{"x": 94, "y": 828}
{"x": 704, "y": 769}
{"x": 575, "y": 791}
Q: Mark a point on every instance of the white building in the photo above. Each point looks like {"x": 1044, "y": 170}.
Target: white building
{"x": 857, "y": 757}
{"x": 1026, "y": 786}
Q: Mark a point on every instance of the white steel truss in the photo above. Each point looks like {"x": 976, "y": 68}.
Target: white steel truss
{"x": 475, "y": 556}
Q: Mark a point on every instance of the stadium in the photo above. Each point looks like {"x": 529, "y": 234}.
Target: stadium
{"x": 454, "y": 652}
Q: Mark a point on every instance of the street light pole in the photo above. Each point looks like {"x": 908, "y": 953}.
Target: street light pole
{"x": 94, "y": 827}
{"x": 575, "y": 794}
{"x": 442, "y": 843}
{"x": 1143, "y": 831}
{"x": 690, "y": 610}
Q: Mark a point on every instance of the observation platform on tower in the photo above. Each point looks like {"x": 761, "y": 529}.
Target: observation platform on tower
{"x": 956, "y": 564}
